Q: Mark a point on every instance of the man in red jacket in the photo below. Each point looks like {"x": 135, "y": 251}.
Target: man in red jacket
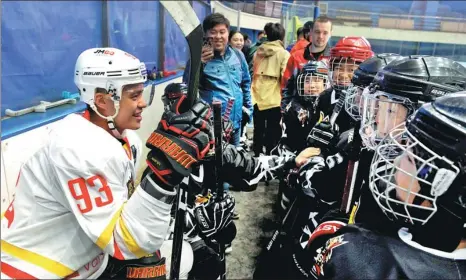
{"x": 304, "y": 37}
{"x": 318, "y": 49}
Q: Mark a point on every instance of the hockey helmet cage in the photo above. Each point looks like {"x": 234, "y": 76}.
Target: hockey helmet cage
{"x": 423, "y": 179}
{"x": 362, "y": 78}
{"x": 402, "y": 87}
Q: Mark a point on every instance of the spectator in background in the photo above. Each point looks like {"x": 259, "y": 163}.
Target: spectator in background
{"x": 305, "y": 39}
{"x": 250, "y": 56}
{"x": 260, "y": 35}
{"x": 224, "y": 74}
{"x": 317, "y": 50}
{"x": 247, "y": 45}
{"x": 269, "y": 64}
{"x": 236, "y": 40}
{"x": 299, "y": 35}
{"x": 247, "y": 41}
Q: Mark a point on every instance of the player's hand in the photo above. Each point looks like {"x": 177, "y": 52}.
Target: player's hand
{"x": 303, "y": 115}
{"x": 207, "y": 54}
{"x": 213, "y": 216}
{"x": 182, "y": 139}
{"x": 323, "y": 135}
{"x": 305, "y": 155}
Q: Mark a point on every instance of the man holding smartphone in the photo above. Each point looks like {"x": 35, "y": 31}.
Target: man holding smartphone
{"x": 224, "y": 73}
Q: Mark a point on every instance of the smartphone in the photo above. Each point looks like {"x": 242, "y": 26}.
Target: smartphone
{"x": 207, "y": 42}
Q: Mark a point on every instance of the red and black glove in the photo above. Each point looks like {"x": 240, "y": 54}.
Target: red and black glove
{"x": 182, "y": 138}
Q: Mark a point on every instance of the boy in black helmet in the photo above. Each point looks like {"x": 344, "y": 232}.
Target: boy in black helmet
{"x": 418, "y": 179}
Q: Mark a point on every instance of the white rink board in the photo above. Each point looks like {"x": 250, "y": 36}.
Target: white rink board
{"x": 15, "y": 151}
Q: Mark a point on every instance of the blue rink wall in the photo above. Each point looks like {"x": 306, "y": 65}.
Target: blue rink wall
{"x": 42, "y": 39}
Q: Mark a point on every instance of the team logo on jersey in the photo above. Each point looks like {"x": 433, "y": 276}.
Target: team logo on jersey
{"x": 135, "y": 153}
{"x": 325, "y": 253}
{"x": 130, "y": 186}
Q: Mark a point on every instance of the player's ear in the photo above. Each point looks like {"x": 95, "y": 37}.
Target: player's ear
{"x": 102, "y": 102}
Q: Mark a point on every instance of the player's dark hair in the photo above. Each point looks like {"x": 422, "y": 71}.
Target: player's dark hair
{"x": 299, "y": 32}
{"x": 245, "y": 36}
{"x": 274, "y": 31}
{"x": 213, "y": 20}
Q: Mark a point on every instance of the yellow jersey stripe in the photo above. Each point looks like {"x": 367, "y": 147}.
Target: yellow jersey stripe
{"x": 107, "y": 234}
{"x": 130, "y": 242}
{"x": 50, "y": 265}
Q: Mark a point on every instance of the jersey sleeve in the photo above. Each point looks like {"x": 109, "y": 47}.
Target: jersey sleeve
{"x": 95, "y": 191}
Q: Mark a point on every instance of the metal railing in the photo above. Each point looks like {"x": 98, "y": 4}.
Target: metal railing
{"x": 276, "y": 9}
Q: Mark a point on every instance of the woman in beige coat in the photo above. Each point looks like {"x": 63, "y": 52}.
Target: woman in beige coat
{"x": 269, "y": 64}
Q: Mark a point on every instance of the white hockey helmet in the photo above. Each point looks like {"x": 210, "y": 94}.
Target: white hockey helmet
{"x": 110, "y": 69}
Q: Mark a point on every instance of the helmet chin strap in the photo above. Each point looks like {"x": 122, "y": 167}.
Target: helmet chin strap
{"x": 109, "y": 119}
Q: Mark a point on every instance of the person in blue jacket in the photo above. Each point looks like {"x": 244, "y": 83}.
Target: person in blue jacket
{"x": 224, "y": 73}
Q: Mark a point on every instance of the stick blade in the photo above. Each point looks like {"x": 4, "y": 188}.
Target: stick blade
{"x": 183, "y": 14}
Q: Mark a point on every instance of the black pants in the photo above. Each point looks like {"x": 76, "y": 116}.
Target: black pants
{"x": 267, "y": 130}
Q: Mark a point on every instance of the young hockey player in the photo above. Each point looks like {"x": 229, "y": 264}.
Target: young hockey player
{"x": 362, "y": 78}
{"x": 315, "y": 179}
{"x": 300, "y": 116}
{"x": 345, "y": 57}
{"x": 418, "y": 178}
{"x": 301, "y": 113}
{"x": 386, "y": 105}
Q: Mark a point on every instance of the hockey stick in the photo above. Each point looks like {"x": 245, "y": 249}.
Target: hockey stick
{"x": 187, "y": 20}
{"x": 217, "y": 107}
{"x": 351, "y": 170}
{"x": 337, "y": 109}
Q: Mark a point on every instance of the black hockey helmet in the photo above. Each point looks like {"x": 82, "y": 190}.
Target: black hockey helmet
{"x": 403, "y": 86}
{"x": 362, "y": 78}
{"x": 311, "y": 81}
{"x": 423, "y": 182}
{"x": 421, "y": 78}
{"x": 172, "y": 92}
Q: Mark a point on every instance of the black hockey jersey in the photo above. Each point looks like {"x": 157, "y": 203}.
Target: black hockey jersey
{"x": 327, "y": 101}
{"x": 357, "y": 253}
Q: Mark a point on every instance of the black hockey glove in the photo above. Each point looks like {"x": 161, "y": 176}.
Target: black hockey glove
{"x": 207, "y": 264}
{"x": 324, "y": 136}
{"x": 182, "y": 139}
{"x": 214, "y": 216}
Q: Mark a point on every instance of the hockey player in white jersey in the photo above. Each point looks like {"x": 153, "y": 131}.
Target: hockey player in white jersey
{"x": 75, "y": 202}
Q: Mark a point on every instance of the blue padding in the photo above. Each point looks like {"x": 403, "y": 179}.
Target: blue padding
{"x": 40, "y": 44}
{"x": 17, "y": 125}
{"x": 134, "y": 28}
{"x": 175, "y": 46}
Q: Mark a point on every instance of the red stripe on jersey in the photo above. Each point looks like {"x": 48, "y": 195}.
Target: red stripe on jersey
{"x": 14, "y": 273}
{"x": 117, "y": 254}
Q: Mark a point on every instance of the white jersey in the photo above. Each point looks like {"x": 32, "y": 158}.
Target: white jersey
{"x": 72, "y": 207}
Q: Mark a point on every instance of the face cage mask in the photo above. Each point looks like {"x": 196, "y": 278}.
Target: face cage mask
{"x": 381, "y": 113}
{"x": 311, "y": 85}
{"x": 354, "y": 102}
{"x": 342, "y": 72}
{"x": 406, "y": 178}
